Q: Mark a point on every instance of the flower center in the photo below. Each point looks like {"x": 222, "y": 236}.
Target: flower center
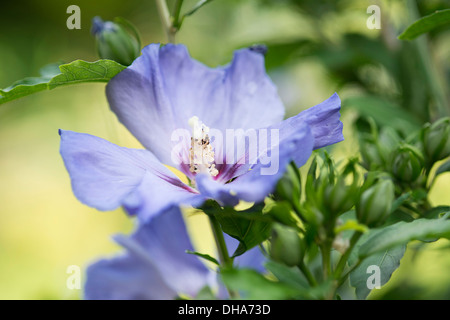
{"x": 201, "y": 154}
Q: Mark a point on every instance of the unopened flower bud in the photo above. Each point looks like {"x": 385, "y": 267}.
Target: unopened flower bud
{"x": 371, "y": 158}
{"x": 114, "y": 42}
{"x": 286, "y": 245}
{"x": 339, "y": 198}
{"x": 375, "y": 204}
{"x": 289, "y": 186}
{"x": 436, "y": 140}
{"x": 407, "y": 164}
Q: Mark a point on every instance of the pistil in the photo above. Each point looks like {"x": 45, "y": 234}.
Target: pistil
{"x": 201, "y": 153}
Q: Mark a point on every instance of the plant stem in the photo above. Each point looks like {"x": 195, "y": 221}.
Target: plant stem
{"x": 224, "y": 258}
{"x": 326, "y": 259}
{"x": 307, "y": 273}
{"x": 343, "y": 260}
{"x": 338, "y": 280}
{"x": 166, "y": 20}
{"x": 345, "y": 276}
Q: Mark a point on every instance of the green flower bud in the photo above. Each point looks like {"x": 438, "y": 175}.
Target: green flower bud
{"x": 388, "y": 140}
{"x": 374, "y": 205}
{"x": 371, "y": 158}
{"x": 407, "y": 163}
{"x": 339, "y": 198}
{"x": 114, "y": 42}
{"x": 286, "y": 245}
{"x": 289, "y": 186}
{"x": 436, "y": 140}
{"x": 375, "y": 147}
{"x": 340, "y": 193}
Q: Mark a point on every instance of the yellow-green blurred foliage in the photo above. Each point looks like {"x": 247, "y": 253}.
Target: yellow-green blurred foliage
{"x": 43, "y": 227}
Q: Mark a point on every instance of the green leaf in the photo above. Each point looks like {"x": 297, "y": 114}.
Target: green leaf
{"x": 249, "y": 233}
{"x": 384, "y": 112}
{"x": 30, "y": 85}
{"x": 281, "y": 212}
{"x": 51, "y": 77}
{"x": 254, "y": 286}
{"x": 204, "y": 256}
{"x": 436, "y": 212}
{"x": 205, "y": 294}
{"x": 283, "y": 53}
{"x": 285, "y": 274}
{"x": 199, "y": 4}
{"x": 292, "y": 276}
{"x": 81, "y": 71}
{"x": 388, "y": 261}
{"x": 445, "y": 167}
{"x": 426, "y": 24}
{"x": 403, "y": 232}
{"x": 250, "y": 227}
{"x": 400, "y": 200}
{"x": 419, "y": 194}
{"x": 398, "y": 216}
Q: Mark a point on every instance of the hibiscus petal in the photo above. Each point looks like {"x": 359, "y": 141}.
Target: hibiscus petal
{"x": 138, "y": 98}
{"x": 105, "y": 175}
{"x": 156, "y": 265}
{"x": 255, "y": 184}
{"x": 125, "y": 278}
{"x": 253, "y": 101}
{"x": 155, "y": 194}
{"x": 165, "y": 87}
{"x": 323, "y": 120}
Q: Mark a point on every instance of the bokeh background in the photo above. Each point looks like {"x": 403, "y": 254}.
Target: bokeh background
{"x": 316, "y": 48}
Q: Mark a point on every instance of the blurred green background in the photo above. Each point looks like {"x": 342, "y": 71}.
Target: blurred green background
{"x": 316, "y": 48}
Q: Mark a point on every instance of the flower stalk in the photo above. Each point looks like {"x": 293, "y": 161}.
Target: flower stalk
{"x": 224, "y": 257}
{"x": 326, "y": 259}
{"x": 343, "y": 260}
{"x": 307, "y": 273}
{"x": 166, "y": 20}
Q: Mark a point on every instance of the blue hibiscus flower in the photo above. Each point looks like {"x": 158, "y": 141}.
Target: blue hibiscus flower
{"x": 155, "y": 264}
{"x": 182, "y": 112}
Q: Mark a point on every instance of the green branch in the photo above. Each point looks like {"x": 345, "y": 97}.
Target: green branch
{"x": 166, "y": 20}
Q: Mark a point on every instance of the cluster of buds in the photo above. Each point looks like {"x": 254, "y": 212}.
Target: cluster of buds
{"x": 332, "y": 192}
{"x": 393, "y": 167}
{"x": 329, "y": 192}
{"x": 407, "y": 160}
